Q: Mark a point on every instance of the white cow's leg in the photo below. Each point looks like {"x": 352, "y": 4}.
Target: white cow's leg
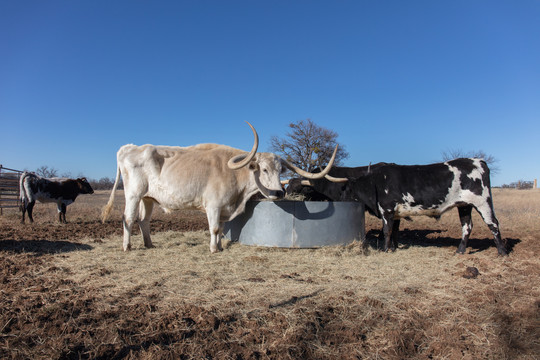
{"x": 130, "y": 217}
{"x": 220, "y": 236}
{"x": 145, "y": 212}
{"x": 213, "y": 215}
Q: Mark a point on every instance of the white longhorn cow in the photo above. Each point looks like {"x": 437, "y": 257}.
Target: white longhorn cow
{"x": 215, "y": 178}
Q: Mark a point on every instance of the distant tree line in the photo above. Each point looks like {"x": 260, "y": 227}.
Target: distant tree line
{"x": 520, "y": 184}
{"x": 104, "y": 183}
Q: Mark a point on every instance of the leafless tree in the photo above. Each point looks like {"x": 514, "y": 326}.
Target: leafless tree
{"x": 458, "y": 153}
{"x": 308, "y": 145}
{"x": 46, "y": 172}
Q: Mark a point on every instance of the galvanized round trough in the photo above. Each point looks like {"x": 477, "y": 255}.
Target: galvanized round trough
{"x": 297, "y": 224}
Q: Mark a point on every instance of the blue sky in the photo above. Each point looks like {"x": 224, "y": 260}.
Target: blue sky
{"x": 399, "y": 81}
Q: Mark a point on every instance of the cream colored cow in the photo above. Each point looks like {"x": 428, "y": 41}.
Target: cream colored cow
{"x": 215, "y": 178}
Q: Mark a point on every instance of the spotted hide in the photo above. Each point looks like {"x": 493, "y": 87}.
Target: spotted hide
{"x": 393, "y": 192}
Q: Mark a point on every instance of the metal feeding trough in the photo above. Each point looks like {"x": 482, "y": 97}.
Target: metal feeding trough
{"x": 297, "y": 224}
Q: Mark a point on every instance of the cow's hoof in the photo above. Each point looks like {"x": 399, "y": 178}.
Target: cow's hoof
{"x": 127, "y": 248}
{"x": 216, "y": 250}
{"x": 460, "y": 252}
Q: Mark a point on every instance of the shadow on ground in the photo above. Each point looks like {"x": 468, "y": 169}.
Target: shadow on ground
{"x": 42, "y": 247}
{"x": 408, "y": 238}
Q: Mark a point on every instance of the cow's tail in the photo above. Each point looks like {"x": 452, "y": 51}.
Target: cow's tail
{"x": 25, "y": 192}
{"x": 106, "y": 211}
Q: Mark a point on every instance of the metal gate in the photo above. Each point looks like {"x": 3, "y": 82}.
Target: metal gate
{"x": 9, "y": 188}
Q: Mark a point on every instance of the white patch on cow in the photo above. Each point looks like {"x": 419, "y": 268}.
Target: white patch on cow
{"x": 408, "y": 198}
{"x": 476, "y": 174}
{"x": 456, "y": 194}
{"x": 406, "y": 209}
{"x": 386, "y": 191}
{"x": 381, "y": 210}
{"x": 466, "y": 229}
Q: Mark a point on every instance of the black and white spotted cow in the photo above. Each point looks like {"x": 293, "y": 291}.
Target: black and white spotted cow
{"x": 393, "y": 192}
{"x": 57, "y": 190}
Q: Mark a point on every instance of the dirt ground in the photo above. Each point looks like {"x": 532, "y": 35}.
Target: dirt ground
{"x": 67, "y": 291}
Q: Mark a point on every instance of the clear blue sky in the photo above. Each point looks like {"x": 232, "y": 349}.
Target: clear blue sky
{"x": 399, "y": 81}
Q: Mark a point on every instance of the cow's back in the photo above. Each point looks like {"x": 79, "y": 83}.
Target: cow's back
{"x": 434, "y": 188}
{"x": 180, "y": 177}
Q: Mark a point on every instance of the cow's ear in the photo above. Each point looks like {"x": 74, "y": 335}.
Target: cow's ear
{"x": 253, "y": 166}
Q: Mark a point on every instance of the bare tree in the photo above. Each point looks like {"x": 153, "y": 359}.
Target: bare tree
{"x": 308, "y": 145}
{"x": 458, "y": 153}
{"x": 46, "y": 172}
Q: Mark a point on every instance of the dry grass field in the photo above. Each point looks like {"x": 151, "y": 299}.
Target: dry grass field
{"x": 70, "y": 292}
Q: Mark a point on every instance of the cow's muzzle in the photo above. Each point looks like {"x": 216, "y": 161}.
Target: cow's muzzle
{"x": 276, "y": 194}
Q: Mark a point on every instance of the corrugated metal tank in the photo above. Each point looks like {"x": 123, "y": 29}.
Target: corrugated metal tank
{"x": 298, "y": 224}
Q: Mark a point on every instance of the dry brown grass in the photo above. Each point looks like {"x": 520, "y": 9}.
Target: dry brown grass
{"x": 92, "y": 300}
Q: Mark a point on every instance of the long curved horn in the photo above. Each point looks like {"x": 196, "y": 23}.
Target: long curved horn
{"x": 236, "y": 162}
{"x": 314, "y": 175}
{"x": 335, "y": 179}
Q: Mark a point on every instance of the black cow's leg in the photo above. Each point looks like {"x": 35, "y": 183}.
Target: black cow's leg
{"x": 62, "y": 214}
{"x": 23, "y": 209}
{"x": 395, "y": 233}
{"x": 29, "y": 209}
{"x": 499, "y": 242}
{"x": 489, "y": 218}
{"x": 466, "y": 227}
{"x": 388, "y": 224}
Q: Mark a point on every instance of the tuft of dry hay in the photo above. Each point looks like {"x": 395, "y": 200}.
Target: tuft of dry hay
{"x": 295, "y": 197}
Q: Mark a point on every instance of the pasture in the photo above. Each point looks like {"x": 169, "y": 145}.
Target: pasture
{"x": 68, "y": 291}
